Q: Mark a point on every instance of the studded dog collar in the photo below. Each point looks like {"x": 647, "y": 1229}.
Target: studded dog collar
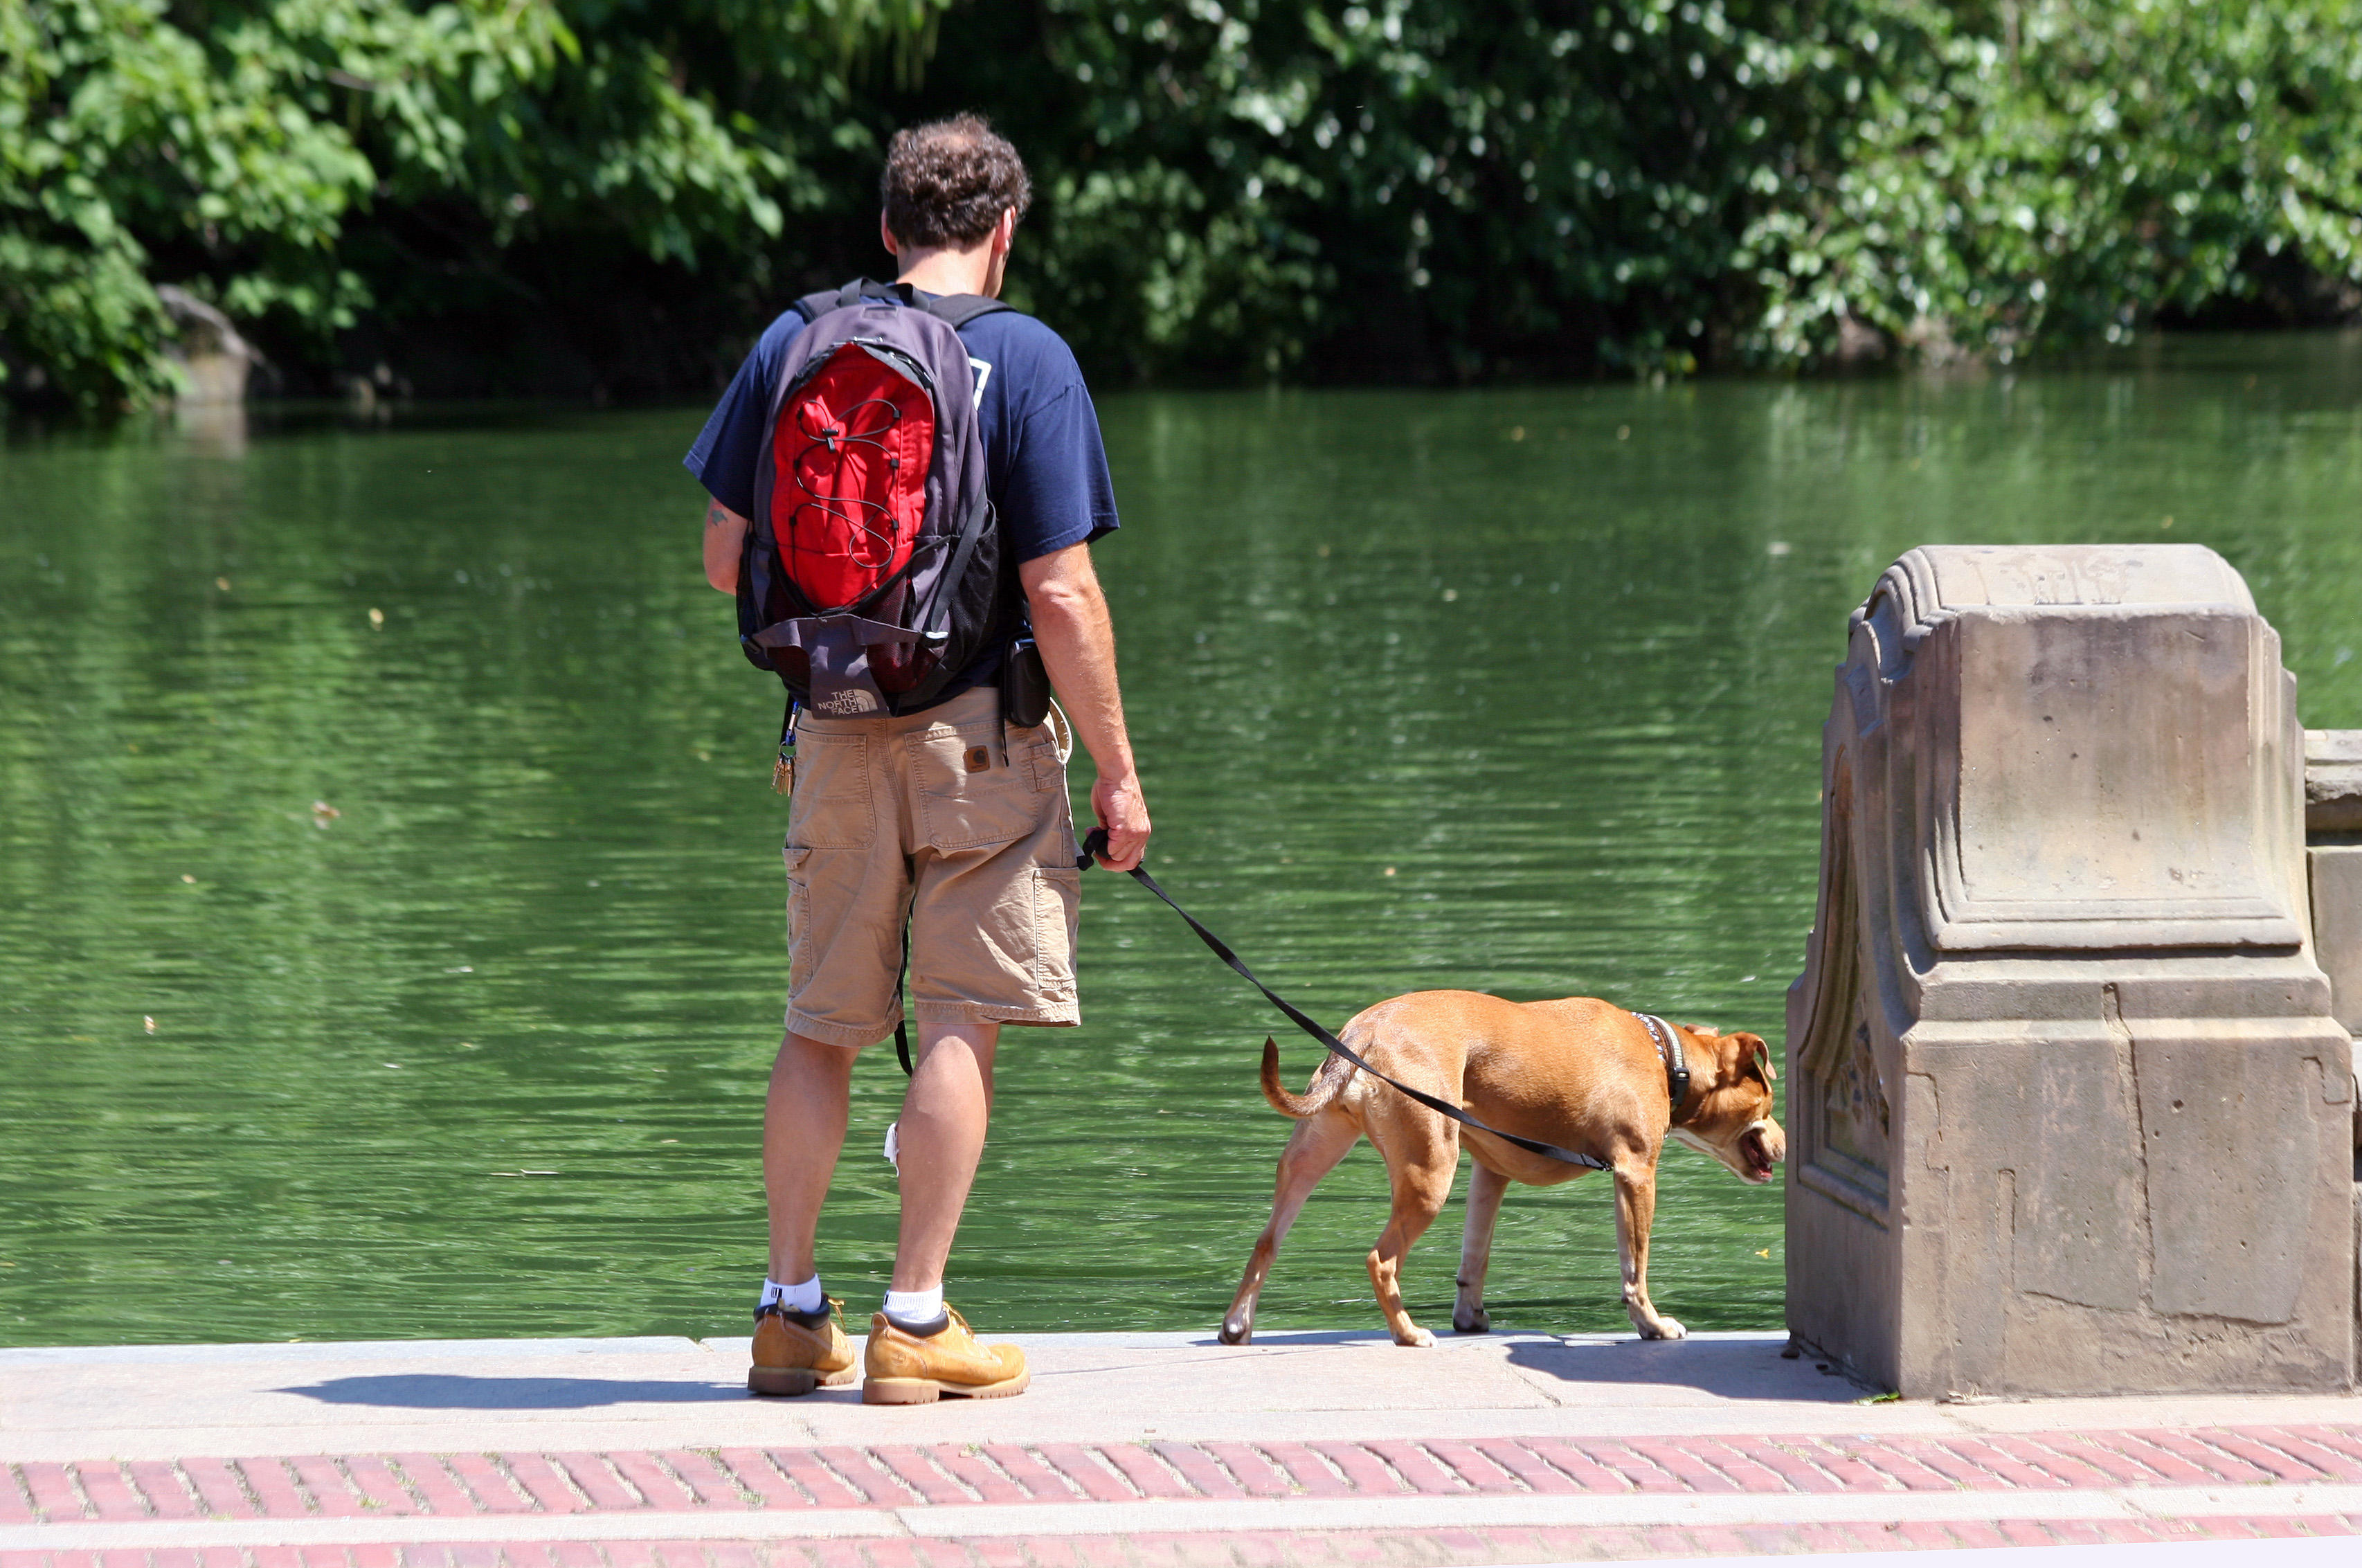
{"x": 1677, "y": 1067}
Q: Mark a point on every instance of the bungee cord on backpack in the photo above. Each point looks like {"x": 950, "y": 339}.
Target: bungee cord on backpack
{"x": 834, "y": 439}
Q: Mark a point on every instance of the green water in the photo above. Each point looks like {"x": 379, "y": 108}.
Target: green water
{"x": 1515, "y": 690}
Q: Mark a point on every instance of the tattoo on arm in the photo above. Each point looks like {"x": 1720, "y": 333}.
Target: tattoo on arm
{"x": 716, "y": 515}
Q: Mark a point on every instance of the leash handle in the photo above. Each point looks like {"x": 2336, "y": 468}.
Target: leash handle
{"x": 1095, "y": 845}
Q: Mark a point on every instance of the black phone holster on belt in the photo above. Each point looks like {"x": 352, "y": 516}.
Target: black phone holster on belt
{"x": 1024, "y": 686}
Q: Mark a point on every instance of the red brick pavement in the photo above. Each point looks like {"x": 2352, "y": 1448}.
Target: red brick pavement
{"x": 707, "y": 1481}
{"x": 450, "y": 1488}
{"x": 1460, "y": 1548}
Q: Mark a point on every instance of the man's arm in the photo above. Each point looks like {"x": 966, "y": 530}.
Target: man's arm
{"x": 725, "y": 539}
{"x": 1077, "y": 643}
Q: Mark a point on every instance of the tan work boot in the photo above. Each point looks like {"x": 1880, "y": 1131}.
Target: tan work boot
{"x": 909, "y": 1369}
{"x": 796, "y": 1353}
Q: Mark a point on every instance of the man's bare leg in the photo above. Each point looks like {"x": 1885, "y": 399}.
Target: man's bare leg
{"x": 803, "y": 1129}
{"x": 945, "y": 1113}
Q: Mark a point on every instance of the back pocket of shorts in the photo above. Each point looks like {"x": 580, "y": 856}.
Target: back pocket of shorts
{"x": 831, "y": 807}
{"x": 970, "y": 795}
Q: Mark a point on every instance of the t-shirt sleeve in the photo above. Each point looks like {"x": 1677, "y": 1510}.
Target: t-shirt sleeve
{"x": 1058, "y": 491}
{"x": 727, "y": 449}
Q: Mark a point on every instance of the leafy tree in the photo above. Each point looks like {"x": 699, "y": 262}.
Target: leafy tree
{"x": 1466, "y": 186}
{"x": 2055, "y": 170}
{"x": 1397, "y": 189}
{"x": 256, "y": 152}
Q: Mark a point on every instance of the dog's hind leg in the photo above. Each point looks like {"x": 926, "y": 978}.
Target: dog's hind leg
{"x": 1636, "y": 1211}
{"x": 1486, "y": 1188}
{"x": 1419, "y": 1167}
{"x": 1312, "y": 1152}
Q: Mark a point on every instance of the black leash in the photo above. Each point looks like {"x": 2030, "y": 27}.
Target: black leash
{"x": 1096, "y": 845}
{"x": 901, "y": 1028}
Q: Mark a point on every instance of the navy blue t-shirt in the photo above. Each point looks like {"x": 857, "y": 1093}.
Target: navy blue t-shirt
{"x": 1046, "y": 467}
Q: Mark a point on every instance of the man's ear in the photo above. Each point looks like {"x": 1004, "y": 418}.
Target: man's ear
{"x": 886, "y": 236}
{"x": 1754, "y": 1046}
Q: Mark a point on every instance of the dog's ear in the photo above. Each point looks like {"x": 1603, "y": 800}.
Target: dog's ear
{"x": 1754, "y": 1047}
{"x": 1704, "y": 1030}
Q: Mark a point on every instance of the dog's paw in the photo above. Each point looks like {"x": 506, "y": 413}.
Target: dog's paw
{"x": 1477, "y": 1323}
{"x": 1417, "y": 1339}
{"x": 1665, "y": 1329}
{"x": 1236, "y": 1334}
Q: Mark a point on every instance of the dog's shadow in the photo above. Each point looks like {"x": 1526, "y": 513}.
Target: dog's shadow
{"x": 1738, "y": 1366}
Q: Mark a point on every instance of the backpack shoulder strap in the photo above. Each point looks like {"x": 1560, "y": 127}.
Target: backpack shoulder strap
{"x": 814, "y": 306}
{"x": 955, "y": 311}
{"x": 958, "y": 310}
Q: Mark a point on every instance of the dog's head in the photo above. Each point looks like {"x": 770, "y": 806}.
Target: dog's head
{"x": 1730, "y": 1077}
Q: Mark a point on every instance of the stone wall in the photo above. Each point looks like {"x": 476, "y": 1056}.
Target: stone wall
{"x": 2072, "y": 1114}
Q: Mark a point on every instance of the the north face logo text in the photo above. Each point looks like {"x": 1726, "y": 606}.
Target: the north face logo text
{"x": 846, "y": 701}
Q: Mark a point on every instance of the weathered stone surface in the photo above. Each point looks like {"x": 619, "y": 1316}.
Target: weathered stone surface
{"x": 2332, "y": 781}
{"x": 2337, "y": 925}
{"x": 2071, "y": 1113}
{"x": 215, "y": 359}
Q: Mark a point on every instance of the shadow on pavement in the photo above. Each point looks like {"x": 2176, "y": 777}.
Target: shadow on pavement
{"x": 450, "y": 1391}
{"x": 1302, "y": 1337}
{"x": 1750, "y": 1369}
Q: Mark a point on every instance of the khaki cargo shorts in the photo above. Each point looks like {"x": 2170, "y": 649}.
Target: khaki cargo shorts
{"x": 958, "y": 821}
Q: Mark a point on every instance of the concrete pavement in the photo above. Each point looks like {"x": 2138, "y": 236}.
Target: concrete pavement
{"x": 1311, "y": 1449}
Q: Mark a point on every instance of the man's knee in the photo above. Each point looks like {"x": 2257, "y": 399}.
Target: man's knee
{"x": 803, "y": 1058}
{"x": 979, "y": 1041}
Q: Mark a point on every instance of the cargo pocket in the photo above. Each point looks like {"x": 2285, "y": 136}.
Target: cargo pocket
{"x": 831, "y": 808}
{"x": 971, "y": 795}
{"x": 799, "y": 916}
{"x": 1057, "y": 906}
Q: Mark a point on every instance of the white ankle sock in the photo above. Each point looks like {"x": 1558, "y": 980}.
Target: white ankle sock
{"x": 804, "y": 1297}
{"x": 915, "y": 1305}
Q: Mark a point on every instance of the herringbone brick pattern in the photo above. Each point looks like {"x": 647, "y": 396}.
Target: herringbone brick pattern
{"x": 708, "y": 1481}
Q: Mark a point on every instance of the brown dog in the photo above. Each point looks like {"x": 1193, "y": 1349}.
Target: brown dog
{"x": 1579, "y": 1073}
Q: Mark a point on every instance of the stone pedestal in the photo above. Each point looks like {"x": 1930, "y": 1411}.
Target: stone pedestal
{"x": 2071, "y": 1114}
{"x": 215, "y": 361}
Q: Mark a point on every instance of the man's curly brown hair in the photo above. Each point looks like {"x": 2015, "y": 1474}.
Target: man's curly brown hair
{"x": 948, "y": 182}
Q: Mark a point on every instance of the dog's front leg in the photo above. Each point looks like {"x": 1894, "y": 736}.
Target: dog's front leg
{"x": 1421, "y": 1161}
{"x": 1485, "y": 1190}
{"x": 1636, "y": 1210}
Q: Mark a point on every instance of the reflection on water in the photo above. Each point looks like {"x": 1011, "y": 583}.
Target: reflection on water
{"x": 408, "y": 781}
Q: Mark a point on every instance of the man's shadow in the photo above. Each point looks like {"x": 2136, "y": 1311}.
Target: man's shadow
{"x": 452, "y": 1391}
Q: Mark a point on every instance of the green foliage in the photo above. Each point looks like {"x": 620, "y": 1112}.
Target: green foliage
{"x": 1390, "y": 188}
{"x": 1653, "y": 183}
{"x": 236, "y": 148}
{"x": 2062, "y": 172}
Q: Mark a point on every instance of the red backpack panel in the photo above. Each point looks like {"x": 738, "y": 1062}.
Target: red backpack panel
{"x": 849, "y": 493}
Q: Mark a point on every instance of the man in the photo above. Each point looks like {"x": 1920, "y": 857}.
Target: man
{"x": 944, "y": 814}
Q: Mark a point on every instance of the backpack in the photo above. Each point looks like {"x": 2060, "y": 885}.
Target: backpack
{"x": 871, "y": 575}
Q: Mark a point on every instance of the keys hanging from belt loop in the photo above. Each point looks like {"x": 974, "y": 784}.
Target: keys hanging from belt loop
{"x": 783, "y": 772}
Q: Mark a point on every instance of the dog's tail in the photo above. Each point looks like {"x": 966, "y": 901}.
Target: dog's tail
{"x": 1327, "y": 1080}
